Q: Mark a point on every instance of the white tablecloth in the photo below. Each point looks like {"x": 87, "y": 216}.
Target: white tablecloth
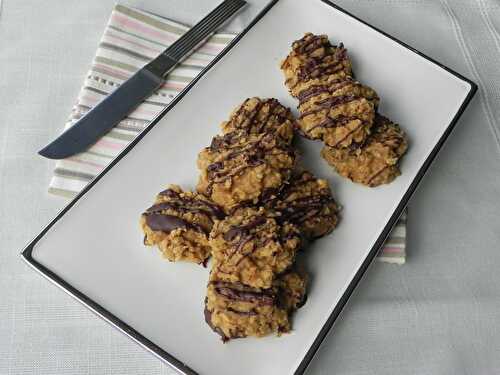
{"x": 438, "y": 314}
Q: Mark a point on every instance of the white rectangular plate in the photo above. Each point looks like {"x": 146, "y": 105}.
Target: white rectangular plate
{"x": 93, "y": 248}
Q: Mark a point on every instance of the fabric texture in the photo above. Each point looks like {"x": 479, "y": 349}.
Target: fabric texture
{"x": 439, "y": 314}
{"x": 131, "y": 39}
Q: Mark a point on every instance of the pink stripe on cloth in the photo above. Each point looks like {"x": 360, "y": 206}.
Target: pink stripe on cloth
{"x": 110, "y": 144}
{"x": 97, "y": 166}
{"x": 141, "y": 47}
{"x": 393, "y": 250}
{"x": 132, "y": 24}
{"x": 173, "y": 85}
{"x": 120, "y": 74}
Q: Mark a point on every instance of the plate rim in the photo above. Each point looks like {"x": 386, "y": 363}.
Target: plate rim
{"x": 100, "y": 311}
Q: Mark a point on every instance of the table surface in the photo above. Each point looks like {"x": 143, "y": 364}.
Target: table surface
{"x": 438, "y": 314}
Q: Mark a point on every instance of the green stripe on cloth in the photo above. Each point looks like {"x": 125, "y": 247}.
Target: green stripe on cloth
{"x": 165, "y": 26}
{"x": 63, "y": 192}
{"x": 148, "y": 20}
{"x": 73, "y": 174}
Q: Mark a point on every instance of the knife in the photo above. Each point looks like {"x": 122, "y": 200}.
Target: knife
{"x": 116, "y": 106}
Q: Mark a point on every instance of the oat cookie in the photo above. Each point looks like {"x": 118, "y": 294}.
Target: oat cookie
{"x": 234, "y": 310}
{"x": 308, "y": 203}
{"x": 240, "y": 168}
{"x": 256, "y": 116}
{"x": 250, "y": 247}
{"x": 376, "y": 161}
{"x": 314, "y": 58}
{"x": 179, "y": 223}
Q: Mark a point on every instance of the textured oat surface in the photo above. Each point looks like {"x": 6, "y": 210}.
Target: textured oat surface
{"x": 179, "y": 223}
{"x": 239, "y": 168}
{"x": 235, "y": 310}
{"x": 252, "y": 248}
{"x": 374, "y": 163}
{"x": 256, "y": 116}
{"x": 307, "y": 202}
{"x": 333, "y": 106}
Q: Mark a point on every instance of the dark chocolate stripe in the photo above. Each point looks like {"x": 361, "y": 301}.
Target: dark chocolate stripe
{"x": 336, "y": 122}
{"x": 254, "y": 154}
{"x": 317, "y": 90}
{"x": 243, "y": 313}
{"x": 236, "y": 231}
{"x": 262, "y": 298}
{"x": 187, "y": 204}
{"x": 316, "y": 70}
{"x": 299, "y": 214}
{"x": 331, "y": 103}
{"x": 168, "y": 223}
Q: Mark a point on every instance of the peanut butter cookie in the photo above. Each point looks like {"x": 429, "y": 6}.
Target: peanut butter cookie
{"x": 256, "y": 116}
{"x": 239, "y": 168}
{"x": 307, "y": 202}
{"x": 179, "y": 224}
{"x": 314, "y": 59}
{"x": 235, "y": 310}
{"x": 376, "y": 161}
{"x": 250, "y": 247}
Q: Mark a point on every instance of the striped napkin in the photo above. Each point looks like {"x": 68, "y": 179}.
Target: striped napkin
{"x": 132, "y": 38}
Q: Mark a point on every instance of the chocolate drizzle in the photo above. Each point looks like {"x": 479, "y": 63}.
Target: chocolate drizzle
{"x": 329, "y": 61}
{"x": 243, "y": 313}
{"x": 250, "y": 121}
{"x": 250, "y": 154}
{"x": 241, "y": 293}
{"x": 187, "y": 204}
{"x": 331, "y": 103}
{"x": 158, "y": 220}
{"x": 311, "y": 205}
{"x": 330, "y": 88}
{"x": 309, "y": 43}
{"x": 335, "y": 122}
{"x": 240, "y": 231}
{"x": 168, "y": 223}
{"x": 302, "y": 209}
{"x": 316, "y": 69}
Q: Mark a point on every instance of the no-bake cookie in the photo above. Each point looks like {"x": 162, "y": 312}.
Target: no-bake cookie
{"x": 256, "y": 116}
{"x": 376, "y": 161}
{"x": 235, "y": 310}
{"x": 179, "y": 223}
{"x": 251, "y": 247}
{"x": 315, "y": 60}
{"x": 240, "y": 168}
{"x": 308, "y": 203}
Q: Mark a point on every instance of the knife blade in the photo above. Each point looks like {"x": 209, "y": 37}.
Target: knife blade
{"x": 117, "y": 105}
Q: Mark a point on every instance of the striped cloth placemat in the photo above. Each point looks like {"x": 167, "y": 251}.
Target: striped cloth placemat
{"x": 131, "y": 39}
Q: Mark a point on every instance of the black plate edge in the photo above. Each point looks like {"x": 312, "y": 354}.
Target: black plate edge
{"x": 156, "y": 350}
